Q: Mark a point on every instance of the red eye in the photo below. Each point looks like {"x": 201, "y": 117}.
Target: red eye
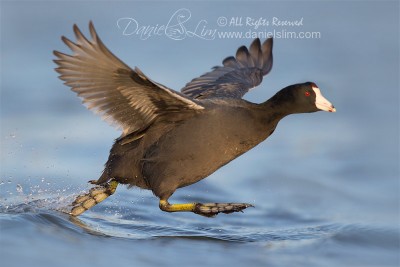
{"x": 307, "y": 93}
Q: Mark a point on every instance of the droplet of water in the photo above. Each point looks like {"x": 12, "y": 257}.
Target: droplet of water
{"x": 19, "y": 188}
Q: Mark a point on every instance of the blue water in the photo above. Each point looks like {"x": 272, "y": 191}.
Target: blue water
{"x": 325, "y": 186}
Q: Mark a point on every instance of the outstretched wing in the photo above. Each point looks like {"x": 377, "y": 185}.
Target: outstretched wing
{"x": 122, "y": 96}
{"x": 237, "y": 75}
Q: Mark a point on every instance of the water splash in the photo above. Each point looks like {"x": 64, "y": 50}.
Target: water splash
{"x": 34, "y": 196}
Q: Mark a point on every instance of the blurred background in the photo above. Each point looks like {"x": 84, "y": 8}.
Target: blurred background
{"x": 325, "y": 186}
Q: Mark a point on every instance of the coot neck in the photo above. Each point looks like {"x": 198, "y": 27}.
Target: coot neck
{"x": 278, "y": 106}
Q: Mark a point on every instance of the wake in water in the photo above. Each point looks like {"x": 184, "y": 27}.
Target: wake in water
{"x": 41, "y": 204}
{"x": 45, "y": 207}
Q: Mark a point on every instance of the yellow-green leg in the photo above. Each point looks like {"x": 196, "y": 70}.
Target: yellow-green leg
{"x": 96, "y": 195}
{"x": 204, "y": 209}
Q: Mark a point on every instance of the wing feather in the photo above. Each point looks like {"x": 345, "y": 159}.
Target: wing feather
{"x": 123, "y": 97}
{"x": 237, "y": 75}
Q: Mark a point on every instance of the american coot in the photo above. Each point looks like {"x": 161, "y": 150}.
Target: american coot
{"x": 169, "y": 139}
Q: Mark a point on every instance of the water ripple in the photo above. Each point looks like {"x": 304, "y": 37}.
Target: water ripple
{"x": 99, "y": 224}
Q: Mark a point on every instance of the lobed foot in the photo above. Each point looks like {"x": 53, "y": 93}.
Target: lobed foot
{"x": 206, "y": 209}
{"x": 95, "y": 195}
{"x": 212, "y": 209}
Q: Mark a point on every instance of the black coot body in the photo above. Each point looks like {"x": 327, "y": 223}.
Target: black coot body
{"x": 171, "y": 139}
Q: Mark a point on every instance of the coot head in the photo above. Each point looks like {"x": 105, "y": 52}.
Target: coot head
{"x": 302, "y": 98}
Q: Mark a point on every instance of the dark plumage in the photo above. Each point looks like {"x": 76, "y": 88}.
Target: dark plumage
{"x": 171, "y": 139}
